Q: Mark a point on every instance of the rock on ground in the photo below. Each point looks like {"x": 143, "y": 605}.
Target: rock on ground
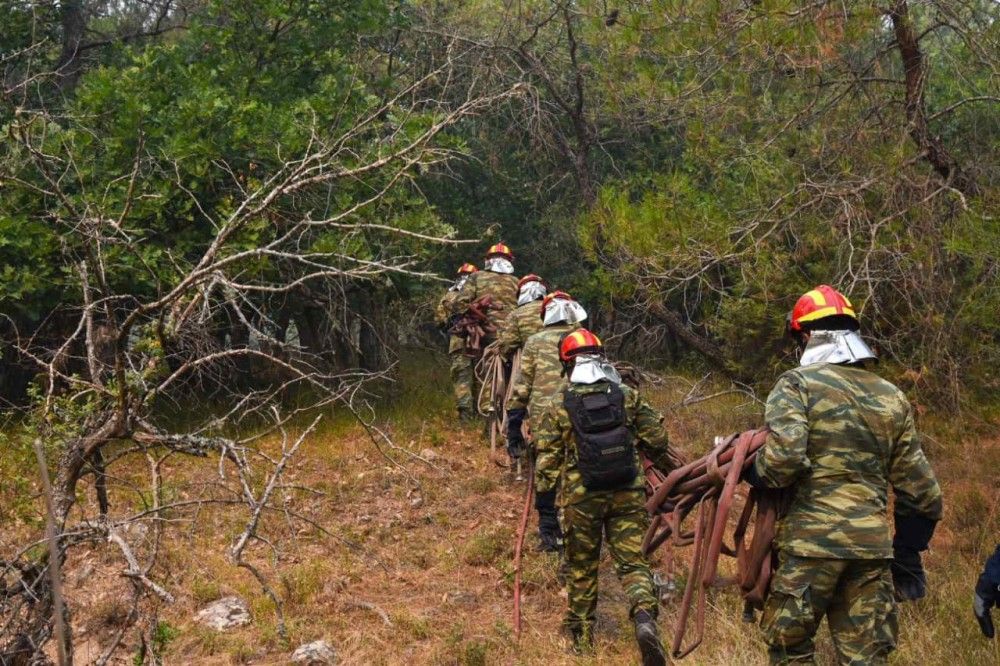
{"x": 225, "y": 613}
{"x": 317, "y": 653}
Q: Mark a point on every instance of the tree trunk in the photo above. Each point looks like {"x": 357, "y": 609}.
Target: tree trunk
{"x": 915, "y": 69}
{"x": 705, "y": 347}
{"x": 70, "y": 61}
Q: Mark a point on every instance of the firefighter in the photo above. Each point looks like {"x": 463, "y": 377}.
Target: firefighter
{"x": 525, "y": 319}
{"x": 541, "y": 378}
{"x": 495, "y": 280}
{"x": 463, "y": 376}
{"x": 589, "y": 442}
{"x": 841, "y": 436}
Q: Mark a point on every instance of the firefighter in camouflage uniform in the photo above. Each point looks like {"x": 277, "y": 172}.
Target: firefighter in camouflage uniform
{"x": 525, "y": 320}
{"x": 463, "y": 376}
{"x": 497, "y": 281}
{"x": 589, "y": 443}
{"x": 841, "y": 436}
{"x": 541, "y": 378}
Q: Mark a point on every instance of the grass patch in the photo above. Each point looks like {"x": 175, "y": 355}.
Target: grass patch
{"x": 488, "y": 546}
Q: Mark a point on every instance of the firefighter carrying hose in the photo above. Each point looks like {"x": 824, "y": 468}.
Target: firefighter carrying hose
{"x": 841, "y": 436}
{"x": 541, "y": 379}
{"x": 589, "y": 440}
{"x": 497, "y": 281}
{"x": 495, "y": 285}
{"x": 463, "y": 376}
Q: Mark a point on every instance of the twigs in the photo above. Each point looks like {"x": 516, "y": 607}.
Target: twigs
{"x": 368, "y": 606}
{"x": 257, "y": 504}
{"x": 280, "y": 294}
{"x": 64, "y": 645}
{"x": 134, "y": 570}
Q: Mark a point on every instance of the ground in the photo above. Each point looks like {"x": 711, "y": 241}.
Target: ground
{"x": 416, "y": 566}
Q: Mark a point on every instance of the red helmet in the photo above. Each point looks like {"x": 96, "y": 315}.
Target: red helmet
{"x": 822, "y": 303}
{"x": 465, "y": 269}
{"x": 500, "y": 250}
{"x": 530, "y": 277}
{"x": 579, "y": 342}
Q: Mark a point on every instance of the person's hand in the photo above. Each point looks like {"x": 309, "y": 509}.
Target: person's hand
{"x": 987, "y": 596}
{"x": 908, "y": 577}
{"x": 913, "y": 534}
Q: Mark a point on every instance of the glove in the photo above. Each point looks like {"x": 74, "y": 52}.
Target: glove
{"x": 987, "y": 596}
{"x": 908, "y": 577}
{"x": 750, "y": 476}
{"x": 913, "y": 533}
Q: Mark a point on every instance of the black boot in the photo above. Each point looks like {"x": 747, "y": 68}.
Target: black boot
{"x": 648, "y": 637}
{"x": 466, "y": 415}
{"x": 549, "y": 532}
{"x": 548, "y": 542}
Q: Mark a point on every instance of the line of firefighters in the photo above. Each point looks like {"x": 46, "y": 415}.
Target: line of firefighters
{"x": 840, "y": 435}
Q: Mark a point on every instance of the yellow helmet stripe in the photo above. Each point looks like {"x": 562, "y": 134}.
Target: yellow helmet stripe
{"x": 817, "y": 297}
{"x": 828, "y": 312}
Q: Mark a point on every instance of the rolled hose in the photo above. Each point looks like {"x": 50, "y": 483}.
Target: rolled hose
{"x": 707, "y": 487}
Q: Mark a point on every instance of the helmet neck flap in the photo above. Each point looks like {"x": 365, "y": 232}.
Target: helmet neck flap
{"x": 562, "y": 311}
{"x": 531, "y": 291}
{"x": 497, "y": 264}
{"x": 841, "y": 347}
{"x": 593, "y": 368}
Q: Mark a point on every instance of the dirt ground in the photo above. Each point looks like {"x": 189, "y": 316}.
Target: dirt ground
{"x": 414, "y": 561}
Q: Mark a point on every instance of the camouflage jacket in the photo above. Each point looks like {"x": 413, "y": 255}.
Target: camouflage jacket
{"x": 556, "y": 442}
{"x": 448, "y": 306}
{"x": 519, "y": 325}
{"x": 503, "y": 289}
{"x": 540, "y": 376}
{"x": 841, "y": 436}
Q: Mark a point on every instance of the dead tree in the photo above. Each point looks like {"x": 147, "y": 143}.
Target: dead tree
{"x": 101, "y": 419}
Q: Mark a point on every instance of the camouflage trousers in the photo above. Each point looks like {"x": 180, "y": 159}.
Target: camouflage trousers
{"x": 619, "y": 518}
{"x": 856, "y": 596}
{"x": 463, "y": 379}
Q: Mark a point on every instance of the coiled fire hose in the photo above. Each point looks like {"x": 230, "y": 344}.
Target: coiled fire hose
{"x": 475, "y": 326}
{"x": 706, "y": 487}
{"x": 495, "y": 384}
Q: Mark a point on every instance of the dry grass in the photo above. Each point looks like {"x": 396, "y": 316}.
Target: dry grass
{"x": 432, "y": 584}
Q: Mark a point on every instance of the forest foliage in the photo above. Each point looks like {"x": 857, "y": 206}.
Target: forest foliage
{"x": 248, "y": 207}
{"x": 687, "y": 168}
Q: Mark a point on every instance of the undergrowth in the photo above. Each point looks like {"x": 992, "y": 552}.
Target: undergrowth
{"x": 418, "y": 568}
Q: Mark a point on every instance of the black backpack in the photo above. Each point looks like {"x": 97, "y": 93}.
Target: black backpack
{"x": 605, "y": 452}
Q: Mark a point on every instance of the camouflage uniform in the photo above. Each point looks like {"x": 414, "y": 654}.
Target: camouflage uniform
{"x": 539, "y": 379}
{"x": 541, "y": 376}
{"x": 502, "y": 287}
{"x": 522, "y": 323}
{"x": 463, "y": 376}
{"x": 619, "y": 516}
{"x": 841, "y": 436}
